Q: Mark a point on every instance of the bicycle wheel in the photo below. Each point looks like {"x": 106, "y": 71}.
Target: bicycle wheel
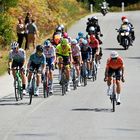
{"x": 32, "y": 90}
{"x": 16, "y": 89}
{"x": 85, "y": 81}
{"x": 63, "y": 89}
{"x": 113, "y": 99}
{"x": 44, "y": 89}
{"x": 20, "y": 89}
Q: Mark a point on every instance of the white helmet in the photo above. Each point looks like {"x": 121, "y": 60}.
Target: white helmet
{"x": 114, "y": 54}
{"x": 125, "y": 21}
{"x": 14, "y": 45}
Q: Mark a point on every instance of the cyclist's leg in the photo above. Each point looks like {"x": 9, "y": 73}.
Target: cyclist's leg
{"x": 109, "y": 80}
{"x": 118, "y": 85}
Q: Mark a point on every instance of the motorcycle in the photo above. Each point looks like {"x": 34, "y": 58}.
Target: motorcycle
{"x": 124, "y": 37}
{"x": 104, "y": 10}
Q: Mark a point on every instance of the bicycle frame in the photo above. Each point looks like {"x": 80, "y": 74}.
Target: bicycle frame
{"x": 64, "y": 81}
{"x": 46, "y": 83}
{"x": 32, "y": 85}
{"x": 18, "y": 84}
{"x": 73, "y": 75}
{"x": 113, "y": 95}
{"x": 84, "y": 72}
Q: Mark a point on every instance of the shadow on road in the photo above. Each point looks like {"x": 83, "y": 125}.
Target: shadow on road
{"x": 132, "y": 57}
{"x": 113, "y": 49}
{"x": 93, "y": 109}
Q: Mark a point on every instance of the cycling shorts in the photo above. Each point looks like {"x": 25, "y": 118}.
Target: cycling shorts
{"x": 76, "y": 60}
{"x": 49, "y": 62}
{"x": 85, "y": 56}
{"x": 17, "y": 64}
{"x": 116, "y": 71}
{"x": 66, "y": 59}
{"x": 34, "y": 66}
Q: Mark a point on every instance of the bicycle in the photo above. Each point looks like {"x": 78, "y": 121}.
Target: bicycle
{"x": 18, "y": 84}
{"x": 84, "y": 73}
{"x": 46, "y": 85}
{"x": 74, "y": 79}
{"x": 94, "y": 70}
{"x": 32, "y": 86}
{"x": 64, "y": 81}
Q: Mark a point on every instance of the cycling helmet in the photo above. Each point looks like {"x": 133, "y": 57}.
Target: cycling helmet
{"x": 39, "y": 48}
{"x": 64, "y": 42}
{"x": 65, "y": 35}
{"x": 123, "y": 17}
{"x": 84, "y": 42}
{"x": 62, "y": 26}
{"x": 14, "y": 45}
{"x": 47, "y": 43}
{"x": 92, "y": 37}
{"x": 58, "y": 29}
{"x": 74, "y": 42}
{"x": 114, "y": 54}
{"x": 80, "y": 34}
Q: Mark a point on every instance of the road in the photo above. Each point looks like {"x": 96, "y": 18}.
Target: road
{"x": 84, "y": 114}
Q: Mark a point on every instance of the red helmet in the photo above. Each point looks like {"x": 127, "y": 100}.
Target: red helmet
{"x": 123, "y": 17}
{"x": 92, "y": 37}
{"x": 65, "y": 35}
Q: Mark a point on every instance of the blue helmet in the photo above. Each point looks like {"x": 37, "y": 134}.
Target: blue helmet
{"x": 84, "y": 42}
{"x": 80, "y": 34}
{"x": 74, "y": 42}
{"x": 47, "y": 43}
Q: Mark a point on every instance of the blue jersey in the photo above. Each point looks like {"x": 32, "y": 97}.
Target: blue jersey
{"x": 38, "y": 60}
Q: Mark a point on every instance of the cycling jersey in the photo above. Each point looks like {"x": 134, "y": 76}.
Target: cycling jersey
{"x": 50, "y": 52}
{"x": 63, "y": 51}
{"x": 76, "y": 50}
{"x": 17, "y": 56}
{"x": 115, "y": 64}
{"x": 38, "y": 60}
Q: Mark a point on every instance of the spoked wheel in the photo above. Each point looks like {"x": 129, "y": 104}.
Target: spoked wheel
{"x": 63, "y": 89}
{"x": 16, "y": 89}
{"x": 85, "y": 81}
{"x": 45, "y": 89}
{"x": 113, "y": 102}
{"x": 32, "y": 91}
{"x": 74, "y": 84}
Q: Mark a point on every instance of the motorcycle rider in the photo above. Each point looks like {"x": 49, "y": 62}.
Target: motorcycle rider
{"x": 93, "y": 22}
{"x": 123, "y": 18}
{"x": 124, "y": 26}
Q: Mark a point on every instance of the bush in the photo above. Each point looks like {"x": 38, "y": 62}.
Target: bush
{"x": 6, "y": 30}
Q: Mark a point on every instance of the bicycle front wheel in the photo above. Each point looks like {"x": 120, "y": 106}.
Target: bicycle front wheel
{"x": 16, "y": 89}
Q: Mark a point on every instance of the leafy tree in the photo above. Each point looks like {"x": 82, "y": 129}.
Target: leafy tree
{"x": 6, "y": 4}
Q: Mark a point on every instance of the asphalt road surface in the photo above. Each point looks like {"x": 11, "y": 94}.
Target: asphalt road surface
{"x": 84, "y": 114}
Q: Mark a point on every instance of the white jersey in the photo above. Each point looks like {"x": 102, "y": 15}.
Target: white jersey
{"x": 18, "y": 56}
{"x": 50, "y": 52}
{"x": 76, "y": 50}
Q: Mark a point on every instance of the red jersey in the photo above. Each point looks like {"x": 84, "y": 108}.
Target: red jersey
{"x": 115, "y": 64}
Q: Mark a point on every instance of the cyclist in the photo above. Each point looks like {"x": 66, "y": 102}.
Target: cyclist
{"x": 76, "y": 54}
{"x": 17, "y": 58}
{"x": 63, "y": 55}
{"x": 86, "y": 53}
{"x": 50, "y": 54}
{"x": 94, "y": 44}
{"x": 114, "y": 65}
{"x": 37, "y": 61}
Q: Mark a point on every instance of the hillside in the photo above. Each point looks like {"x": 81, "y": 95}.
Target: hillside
{"x": 48, "y": 13}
